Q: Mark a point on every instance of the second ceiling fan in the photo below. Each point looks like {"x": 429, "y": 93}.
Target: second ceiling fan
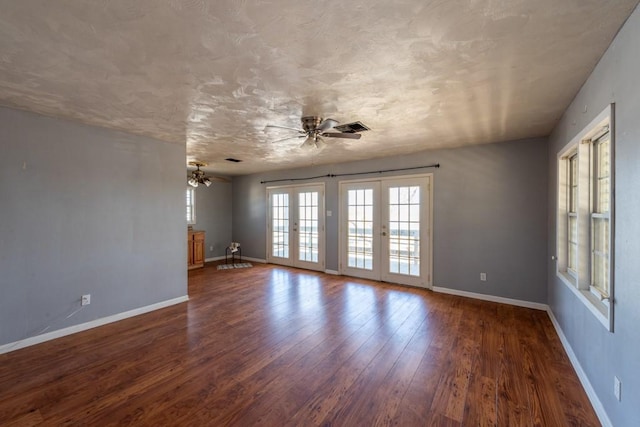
{"x": 315, "y": 127}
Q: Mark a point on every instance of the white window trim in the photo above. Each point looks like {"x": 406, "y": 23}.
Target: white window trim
{"x": 192, "y": 220}
{"x": 580, "y": 284}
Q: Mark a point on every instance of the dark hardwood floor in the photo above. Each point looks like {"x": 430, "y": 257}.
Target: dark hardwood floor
{"x": 276, "y": 346}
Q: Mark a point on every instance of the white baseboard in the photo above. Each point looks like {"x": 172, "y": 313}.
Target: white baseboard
{"x": 258, "y": 260}
{"x": 334, "y": 272}
{"x": 244, "y": 258}
{"x": 27, "y": 342}
{"x": 484, "y": 297}
{"x": 586, "y": 384}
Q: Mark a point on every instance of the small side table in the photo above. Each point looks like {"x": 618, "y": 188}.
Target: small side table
{"x": 228, "y": 252}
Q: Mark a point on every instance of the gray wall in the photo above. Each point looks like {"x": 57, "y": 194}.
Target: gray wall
{"x": 85, "y": 210}
{"x": 603, "y": 354}
{"x": 490, "y": 205}
{"x": 213, "y": 215}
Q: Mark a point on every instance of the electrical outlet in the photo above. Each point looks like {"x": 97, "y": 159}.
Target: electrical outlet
{"x": 483, "y": 277}
{"x": 85, "y": 300}
{"x": 210, "y": 248}
{"x": 617, "y": 388}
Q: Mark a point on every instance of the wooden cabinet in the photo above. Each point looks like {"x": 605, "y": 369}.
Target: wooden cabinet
{"x": 195, "y": 244}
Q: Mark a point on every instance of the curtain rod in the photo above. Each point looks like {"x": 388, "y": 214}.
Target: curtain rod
{"x": 333, "y": 175}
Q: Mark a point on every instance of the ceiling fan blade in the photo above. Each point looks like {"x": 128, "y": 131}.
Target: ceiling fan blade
{"x": 288, "y": 138}
{"x": 326, "y": 125}
{"x": 342, "y": 135}
{"x": 283, "y": 127}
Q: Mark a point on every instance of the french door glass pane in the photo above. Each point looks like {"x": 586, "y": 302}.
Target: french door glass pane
{"x": 308, "y": 226}
{"x": 280, "y": 225}
{"x": 404, "y": 230}
{"x": 360, "y": 228}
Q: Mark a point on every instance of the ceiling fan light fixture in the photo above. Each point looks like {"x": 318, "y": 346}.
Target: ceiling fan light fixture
{"x": 319, "y": 143}
{"x": 197, "y": 176}
{"x": 308, "y": 143}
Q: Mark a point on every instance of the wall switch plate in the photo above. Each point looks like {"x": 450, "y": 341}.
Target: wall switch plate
{"x": 617, "y": 388}
{"x": 85, "y": 300}
{"x": 483, "y": 277}
{"x": 210, "y": 248}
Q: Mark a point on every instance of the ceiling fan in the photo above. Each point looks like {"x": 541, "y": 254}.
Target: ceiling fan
{"x": 198, "y": 176}
{"x": 314, "y": 128}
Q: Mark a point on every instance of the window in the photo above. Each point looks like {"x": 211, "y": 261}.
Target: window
{"x": 585, "y": 204}
{"x": 191, "y": 205}
{"x": 572, "y": 216}
{"x": 600, "y": 216}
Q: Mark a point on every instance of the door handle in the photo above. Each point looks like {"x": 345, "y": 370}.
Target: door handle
{"x": 384, "y": 233}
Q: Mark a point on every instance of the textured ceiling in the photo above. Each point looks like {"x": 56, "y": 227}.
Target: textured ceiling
{"x": 420, "y": 73}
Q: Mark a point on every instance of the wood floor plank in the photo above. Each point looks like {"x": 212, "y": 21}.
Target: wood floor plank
{"x": 235, "y": 372}
{"x": 351, "y": 376}
{"x": 513, "y": 402}
{"x": 416, "y": 404}
{"x": 289, "y": 393}
{"x": 271, "y": 345}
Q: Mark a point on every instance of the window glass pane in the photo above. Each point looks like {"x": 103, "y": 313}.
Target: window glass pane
{"x": 308, "y": 228}
{"x": 599, "y": 220}
{"x": 404, "y": 226}
{"x": 191, "y": 208}
{"x": 360, "y": 229}
{"x": 280, "y": 225}
{"x": 600, "y": 254}
{"x": 404, "y": 195}
{"x": 573, "y": 183}
{"x": 601, "y": 235}
{"x": 602, "y": 173}
{"x": 414, "y": 195}
{"x": 572, "y": 261}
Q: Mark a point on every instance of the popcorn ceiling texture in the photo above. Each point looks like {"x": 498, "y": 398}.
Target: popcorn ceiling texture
{"x": 421, "y": 73}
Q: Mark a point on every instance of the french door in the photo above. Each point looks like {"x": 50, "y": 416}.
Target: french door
{"x": 385, "y": 231}
{"x": 295, "y": 227}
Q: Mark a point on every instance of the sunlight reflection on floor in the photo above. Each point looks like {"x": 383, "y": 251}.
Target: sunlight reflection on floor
{"x": 300, "y": 295}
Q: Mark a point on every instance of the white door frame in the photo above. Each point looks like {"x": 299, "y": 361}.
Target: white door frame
{"x": 426, "y": 226}
{"x": 294, "y": 192}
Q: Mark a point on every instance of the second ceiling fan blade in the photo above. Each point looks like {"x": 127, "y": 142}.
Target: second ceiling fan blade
{"x": 342, "y": 135}
{"x": 327, "y": 124}
{"x": 288, "y": 138}
{"x": 283, "y": 127}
